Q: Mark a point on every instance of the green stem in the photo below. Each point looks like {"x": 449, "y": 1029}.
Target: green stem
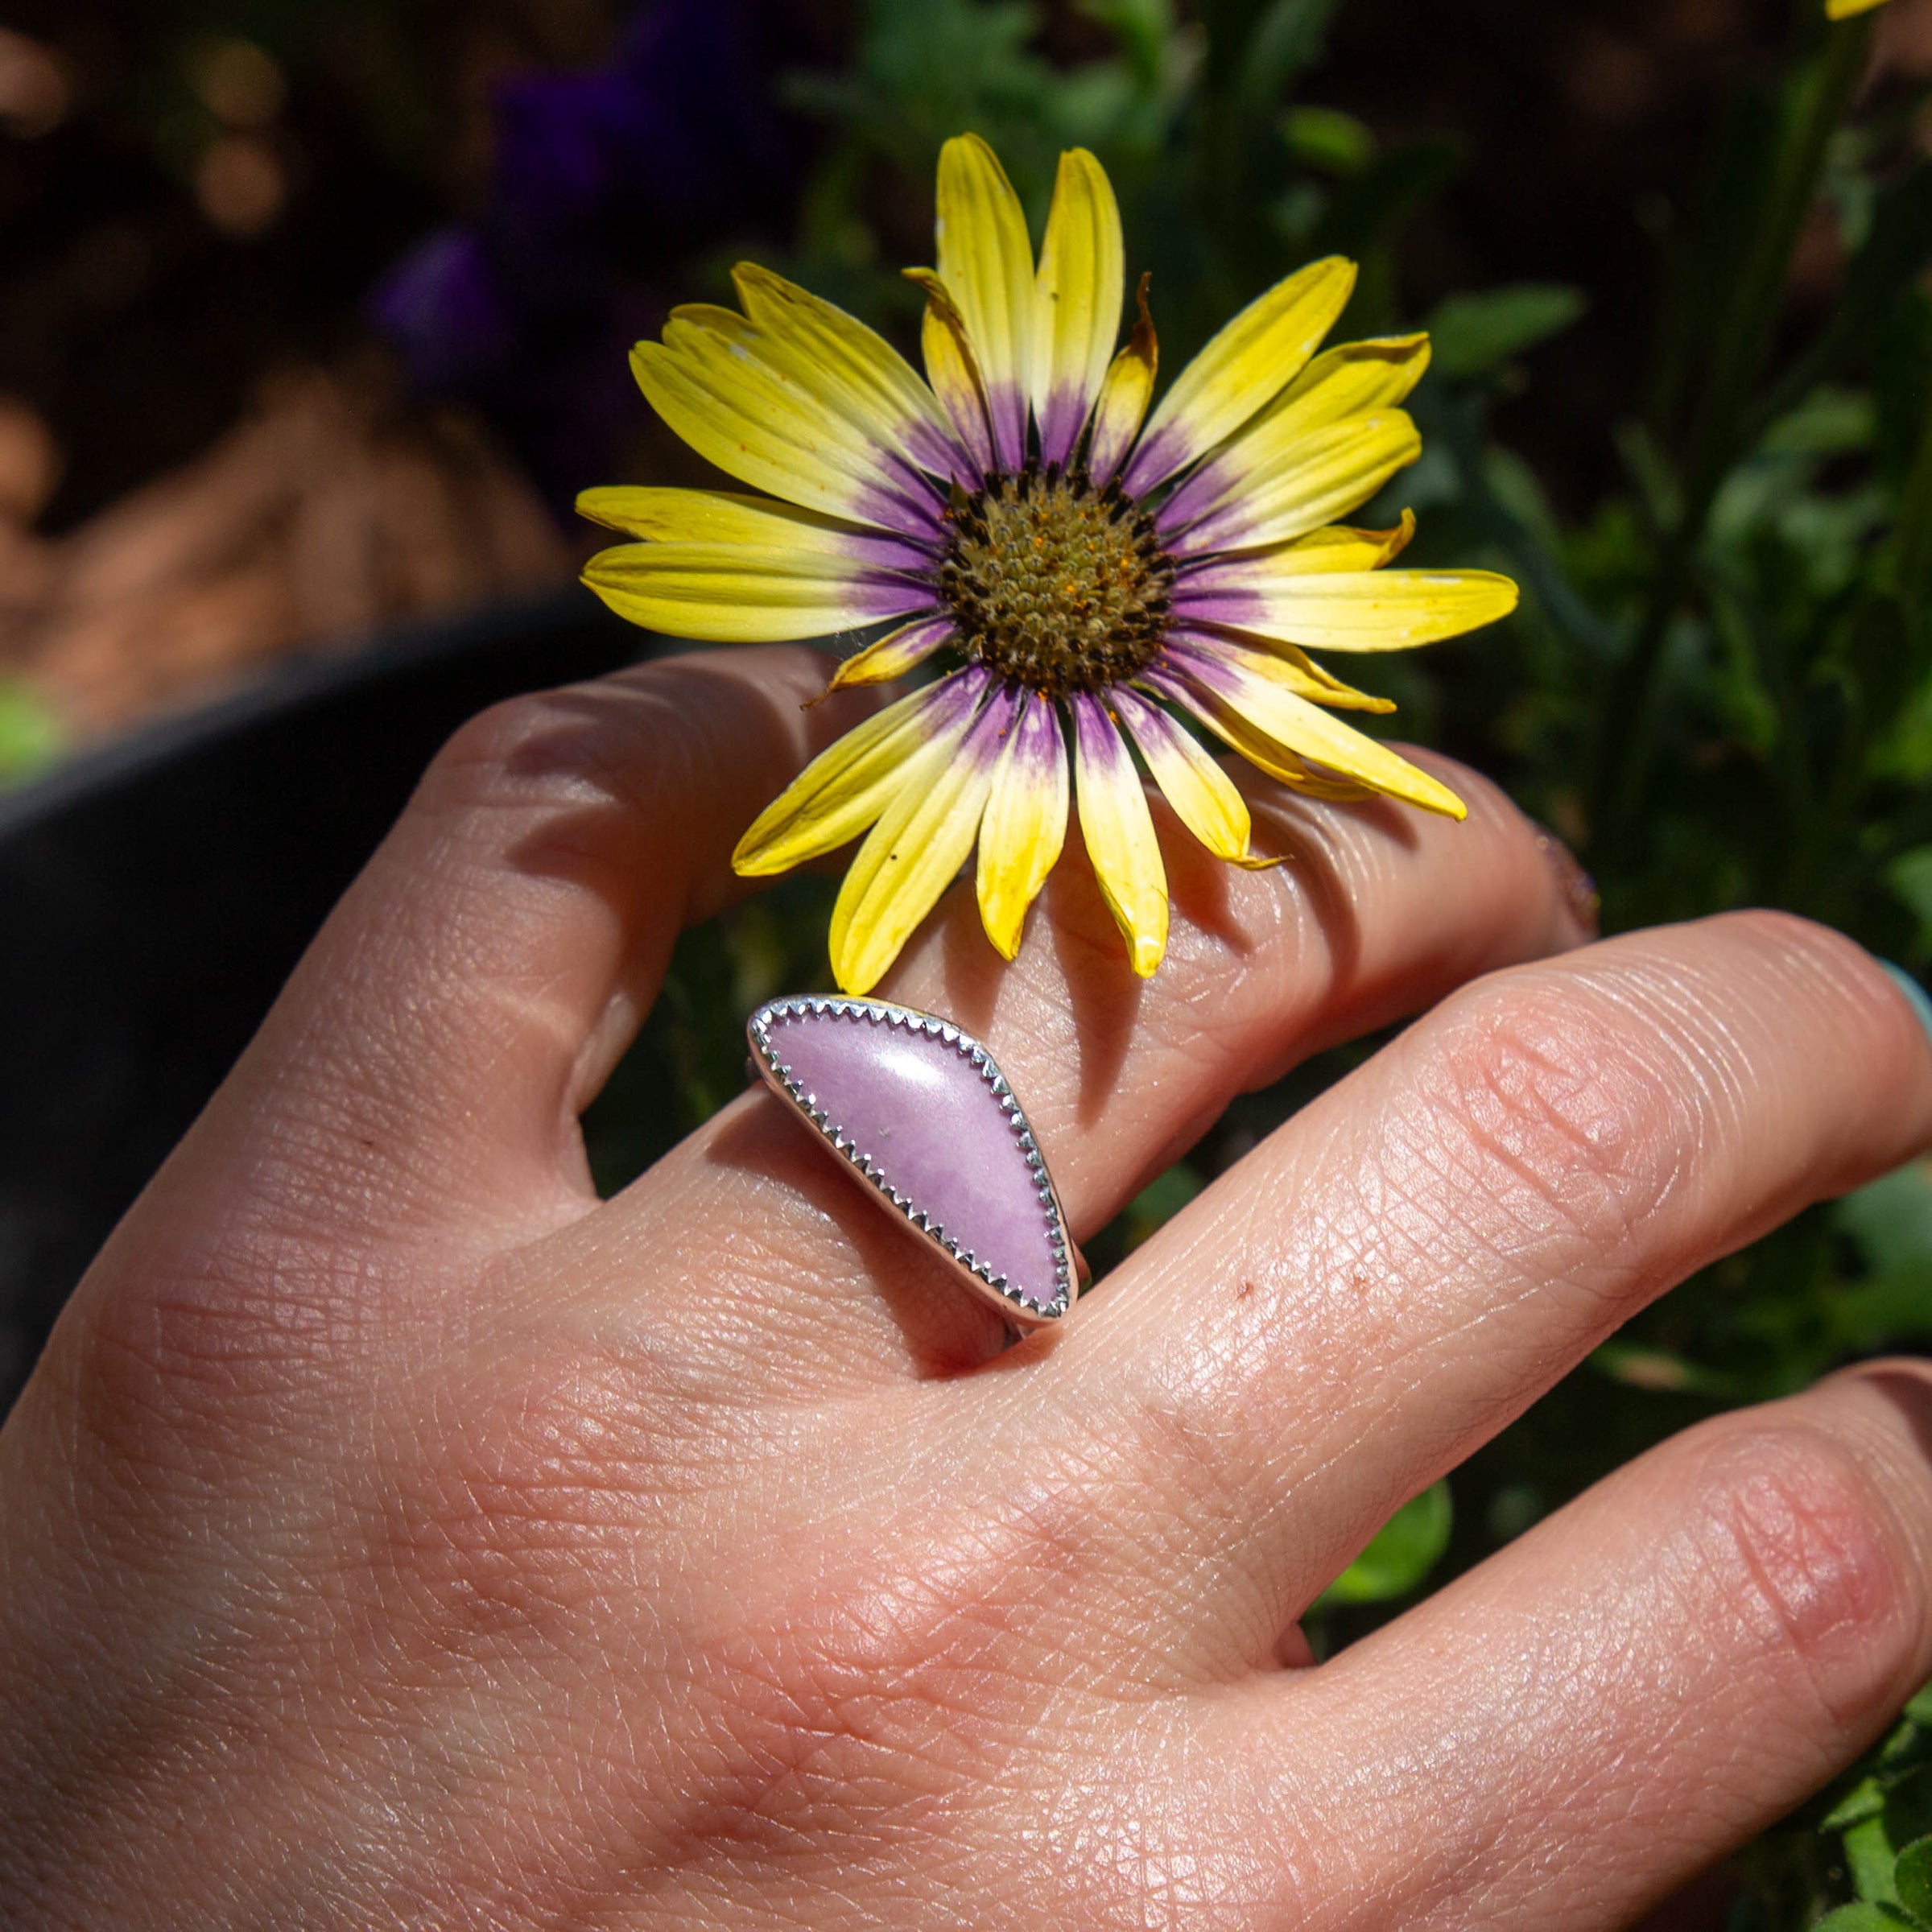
{"x": 1816, "y": 101}
{"x": 1901, "y": 578}
{"x": 1911, "y": 562}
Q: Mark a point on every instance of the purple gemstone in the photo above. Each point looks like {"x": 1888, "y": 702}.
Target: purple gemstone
{"x": 920, "y": 1109}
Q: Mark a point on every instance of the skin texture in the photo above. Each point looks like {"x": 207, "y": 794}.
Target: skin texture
{"x": 394, "y": 1534}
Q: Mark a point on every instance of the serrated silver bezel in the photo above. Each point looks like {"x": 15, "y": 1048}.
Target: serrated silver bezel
{"x": 990, "y": 1286}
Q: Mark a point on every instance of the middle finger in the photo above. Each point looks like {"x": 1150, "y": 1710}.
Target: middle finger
{"x": 1374, "y": 912}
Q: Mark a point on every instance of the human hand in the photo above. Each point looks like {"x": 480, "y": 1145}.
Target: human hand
{"x": 394, "y": 1534}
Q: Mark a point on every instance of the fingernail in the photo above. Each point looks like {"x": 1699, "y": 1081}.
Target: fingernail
{"x": 1575, "y": 887}
{"x": 1915, "y": 994}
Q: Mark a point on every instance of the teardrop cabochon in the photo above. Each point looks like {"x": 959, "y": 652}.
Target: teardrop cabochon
{"x": 920, "y": 1112}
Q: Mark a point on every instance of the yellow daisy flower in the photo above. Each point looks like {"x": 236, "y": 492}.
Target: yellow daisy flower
{"x": 1101, "y": 573}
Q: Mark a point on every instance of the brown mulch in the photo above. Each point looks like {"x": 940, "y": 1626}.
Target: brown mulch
{"x": 330, "y": 512}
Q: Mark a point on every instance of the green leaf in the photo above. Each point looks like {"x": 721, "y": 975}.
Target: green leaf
{"x": 1863, "y": 1917}
{"x": 1866, "y": 1799}
{"x": 1912, "y": 1875}
{"x": 1891, "y": 1219}
{"x": 30, "y": 735}
{"x": 1909, "y": 876}
{"x": 1407, "y": 1548}
{"x": 1160, "y": 1201}
{"x": 1144, "y": 28}
{"x": 1285, "y": 40}
{"x": 1327, "y": 139}
{"x": 1905, "y": 752}
{"x": 1375, "y": 207}
{"x": 1478, "y": 334}
{"x": 1868, "y": 1852}
{"x": 1883, "y": 269}
{"x": 1830, "y": 422}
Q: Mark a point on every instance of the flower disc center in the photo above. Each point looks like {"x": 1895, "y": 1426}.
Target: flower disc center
{"x": 1055, "y": 583}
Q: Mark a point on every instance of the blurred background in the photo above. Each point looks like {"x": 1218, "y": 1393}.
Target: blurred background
{"x": 315, "y": 321}
{"x": 316, "y": 310}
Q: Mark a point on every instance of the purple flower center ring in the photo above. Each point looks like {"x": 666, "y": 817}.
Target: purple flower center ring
{"x": 919, "y": 1110}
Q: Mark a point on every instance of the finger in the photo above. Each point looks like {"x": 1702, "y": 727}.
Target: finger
{"x": 1410, "y": 1262}
{"x": 1634, "y": 1688}
{"x": 429, "y": 1055}
{"x": 1374, "y": 911}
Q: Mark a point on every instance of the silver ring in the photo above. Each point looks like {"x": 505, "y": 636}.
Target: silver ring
{"x": 919, "y": 1111}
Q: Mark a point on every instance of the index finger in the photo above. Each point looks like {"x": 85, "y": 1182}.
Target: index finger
{"x": 425, "y": 1066}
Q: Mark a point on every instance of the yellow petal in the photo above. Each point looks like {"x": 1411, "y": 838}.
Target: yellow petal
{"x": 1283, "y": 664}
{"x": 1349, "y": 380}
{"x": 1278, "y": 762}
{"x": 1203, "y": 795}
{"x": 1289, "y": 665}
{"x": 1318, "y": 736}
{"x": 856, "y": 370}
{"x": 1843, "y": 9}
{"x": 895, "y": 655}
{"x": 1355, "y": 380}
{"x": 914, "y": 852}
{"x": 1333, "y": 471}
{"x": 1119, "y": 831}
{"x": 708, "y": 382}
{"x": 1265, "y": 348}
{"x": 1382, "y": 610}
{"x": 718, "y": 516}
{"x": 848, "y": 785}
{"x": 804, "y": 373}
{"x": 953, "y": 369}
{"x": 1077, "y": 302}
{"x": 986, "y": 260}
{"x": 1123, "y": 396}
{"x": 1026, "y": 822}
{"x": 741, "y": 593}
{"x": 1333, "y": 550}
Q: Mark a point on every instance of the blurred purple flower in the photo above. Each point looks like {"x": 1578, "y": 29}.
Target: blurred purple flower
{"x": 599, "y": 178}
{"x": 444, "y": 308}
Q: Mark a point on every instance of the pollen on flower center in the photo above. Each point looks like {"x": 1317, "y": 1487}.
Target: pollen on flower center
{"x": 1054, "y": 583}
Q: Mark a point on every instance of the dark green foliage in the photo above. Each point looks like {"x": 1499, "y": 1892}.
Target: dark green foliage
{"x": 1884, "y": 1823}
{"x": 1480, "y": 336}
{"x": 1408, "y": 1546}
{"x": 1719, "y": 688}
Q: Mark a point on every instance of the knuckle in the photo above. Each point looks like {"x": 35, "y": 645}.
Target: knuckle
{"x": 203, "y": 1348}
{"x": 572, "y": 774}
{"x": 1599, "y": 1117}
{"x": 856, "y": 1675}
{"x": 1788, "y": 936}
{"x": 512, "y": 1504}
{"x": 1550, "y": 1102}
{"x": 578, "y": 770}
{"x": 1803, "y": 1564}
{"x": 528, "y": 749}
